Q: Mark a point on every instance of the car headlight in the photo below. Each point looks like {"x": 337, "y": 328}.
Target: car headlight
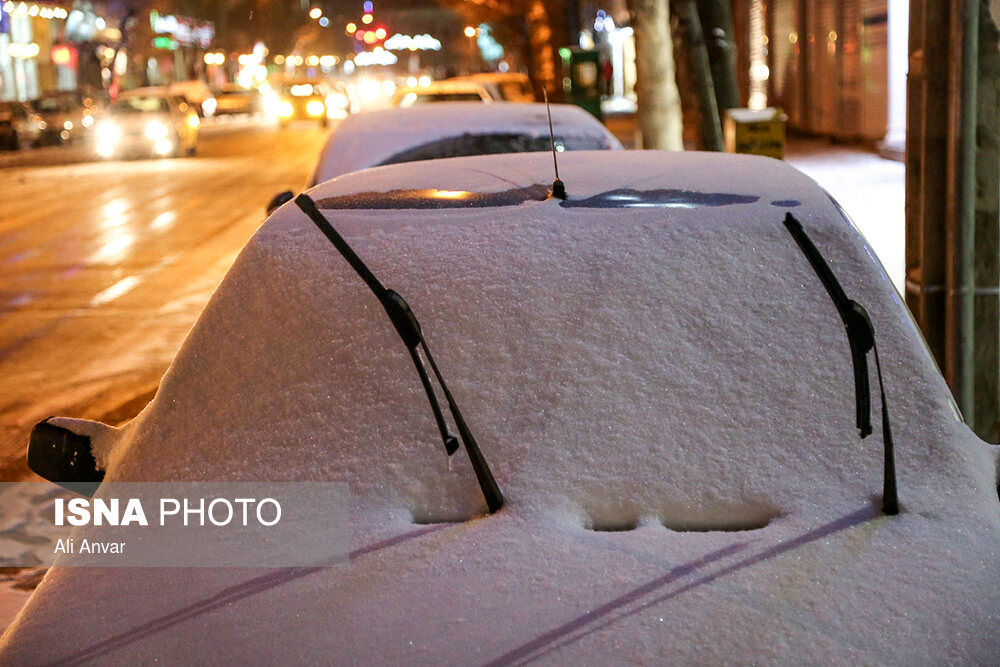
{"x": 338, "y": 101}
{"x": 193, "y": 120}
{"x": 285, "y": 109}
{"x": 156, "y": 130}
{"x": 315, "y": 108}
{"x": 209, "y": 106}
{"x": 108, "y": 133}
{"x": 87, "y": 120}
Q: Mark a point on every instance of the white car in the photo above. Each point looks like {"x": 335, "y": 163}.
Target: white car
{"x": 147, "y": 122}
{"x": 658, "y": 377}
{"x": 455, "y": 129}
{"x": 447, "y": 90}
{"x": 503, "y": 86}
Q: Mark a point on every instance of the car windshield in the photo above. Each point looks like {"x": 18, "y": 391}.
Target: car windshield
{"x": 50, "y": 104}
{"x": 140, "y": 104}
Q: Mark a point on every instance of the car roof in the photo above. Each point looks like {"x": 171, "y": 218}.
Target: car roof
{"x": 664, "y": 393}
{"x": 371, "y": 137}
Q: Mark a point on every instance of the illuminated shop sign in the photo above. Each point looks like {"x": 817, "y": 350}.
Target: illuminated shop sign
{"x": 182, "y": 29}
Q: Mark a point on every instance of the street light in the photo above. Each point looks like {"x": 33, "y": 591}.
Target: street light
{"x": 470, "y": 31}
{"x": 315, "y": 13}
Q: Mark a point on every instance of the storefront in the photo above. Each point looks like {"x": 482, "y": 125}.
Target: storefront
{"x": 49, "y": 47}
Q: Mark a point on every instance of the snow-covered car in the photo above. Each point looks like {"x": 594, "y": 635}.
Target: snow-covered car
{"x": 455, "y": 129}
{"x": 659, "y": 371}
{"x": 147, "y": 122}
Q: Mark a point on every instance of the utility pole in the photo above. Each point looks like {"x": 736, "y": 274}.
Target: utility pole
{"x": 717, "y": 24}
{"x": 952, "y": 240}
{"x": 700, "y": 72}
{"x": 659, "y": 106}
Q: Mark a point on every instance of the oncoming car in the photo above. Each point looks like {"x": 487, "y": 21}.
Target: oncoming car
{"x": 308, "y": 100}
{"x": 665, "y": 375}
{"x": 149, "y": 122}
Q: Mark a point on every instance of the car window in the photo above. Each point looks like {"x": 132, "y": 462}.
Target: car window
{"x": 140, "y": 104}
{"x": 48, "y": 104}
{"x": 415, "y": 98}
{"x": 484, "y": 144}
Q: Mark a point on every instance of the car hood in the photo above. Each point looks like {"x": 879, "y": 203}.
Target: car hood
{"x": 664, "y": 393}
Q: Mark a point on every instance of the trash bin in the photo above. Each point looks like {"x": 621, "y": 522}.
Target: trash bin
{"x": 756, "y": 132}
{"x": 585, "y": 80}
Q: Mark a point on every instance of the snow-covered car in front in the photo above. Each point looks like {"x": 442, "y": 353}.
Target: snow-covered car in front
{"x": 455, "y": 129}
{"x": 665, "y": 375}
{"x": 452, "y": 129}
{"x": 147, "y": 122}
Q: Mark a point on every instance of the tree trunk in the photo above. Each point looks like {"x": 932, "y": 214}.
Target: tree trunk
{"x": 717, "y": 22}
{"x": 659, "y": 109}
{"x": 693, "y": 45}
{"x": 545, "y": 36}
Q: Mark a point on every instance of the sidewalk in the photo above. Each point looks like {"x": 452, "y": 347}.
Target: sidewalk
{"x": 869, "y": 187}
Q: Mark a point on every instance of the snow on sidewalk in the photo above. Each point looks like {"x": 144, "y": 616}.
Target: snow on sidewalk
{"x": 870, "y": 188}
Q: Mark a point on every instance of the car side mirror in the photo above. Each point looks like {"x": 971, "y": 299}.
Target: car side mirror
{"x": 63, "y": 457}
{"x": 280, "y": 199}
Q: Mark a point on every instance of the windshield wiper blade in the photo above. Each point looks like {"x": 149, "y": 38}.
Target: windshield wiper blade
{"x": 861, "y": 337}
{"x": 408, "y": 328}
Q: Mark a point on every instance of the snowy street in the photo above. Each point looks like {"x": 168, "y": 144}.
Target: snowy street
{"x": 105, "y": 266}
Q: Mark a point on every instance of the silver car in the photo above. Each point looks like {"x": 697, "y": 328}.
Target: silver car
{"x": 148, "y": 121}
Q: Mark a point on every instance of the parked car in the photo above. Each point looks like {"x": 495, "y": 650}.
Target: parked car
{"x": 505, "y": 86}
{"x": 148, "y": 122}
{"x": 196, "y": 93}
{"x": 25, "y": 126}
{"x": 66, "y": 117}
{"x": 455, "y": 129}
{"x": 235, "y": 100}
{"x": 448, "y": 90}
{"x": 8, "y": 129}
{"x": 658, "y": 372}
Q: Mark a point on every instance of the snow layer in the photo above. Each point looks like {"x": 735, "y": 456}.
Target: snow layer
{"x": 645, "y": 382}
{"x": 370, "y": 138}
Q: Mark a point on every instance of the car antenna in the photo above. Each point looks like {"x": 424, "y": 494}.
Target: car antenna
{"x": 861, "y": 336}
{"x": 558, "y": 187}
{"x": 408, "y": 328}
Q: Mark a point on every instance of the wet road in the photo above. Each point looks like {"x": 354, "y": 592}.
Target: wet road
{"x": 104, "y": 267}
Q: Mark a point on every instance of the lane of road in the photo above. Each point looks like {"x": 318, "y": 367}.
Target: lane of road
{"x": 104, "y": 267}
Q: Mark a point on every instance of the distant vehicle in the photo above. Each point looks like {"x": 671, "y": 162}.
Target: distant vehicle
{"x": 455, "y": 129}
{"x": 236, "y": 100}
{"x": 147, "y": 121}
{"x": 196, "y": 93}
{"x": 302, "y": 100}
{"x": 9, "y": 139}
{"x": 665, "y": 375}
{"x": 27, "y": 125}
{"x": 505, "y": 86}
{"x": 66, "y": 117}
{"x": 448, "y": 90}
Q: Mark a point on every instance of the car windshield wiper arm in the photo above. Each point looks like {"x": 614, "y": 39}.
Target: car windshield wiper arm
{"x": 861, "y": 336}
{"x": 408, "y": 328}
